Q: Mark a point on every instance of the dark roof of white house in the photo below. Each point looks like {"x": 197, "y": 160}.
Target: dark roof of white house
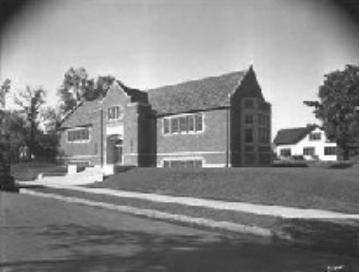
{"x": 292, "y": 135}
{"x": 202, "y": 94}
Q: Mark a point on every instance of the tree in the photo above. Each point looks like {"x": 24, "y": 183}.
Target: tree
{"x": 78, "y": 87}
{"x": 50, "y": 119}
{"x": 4, "y": 89}
{"x": 30, "y": 102}
{"x": 73, "y": 87}
{"x": 338, "y": 107}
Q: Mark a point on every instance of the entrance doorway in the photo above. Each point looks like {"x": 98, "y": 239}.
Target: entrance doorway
{"x": 114, "y": 149}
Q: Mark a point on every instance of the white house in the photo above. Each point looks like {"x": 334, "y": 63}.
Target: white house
{"x": 309, "y": 142}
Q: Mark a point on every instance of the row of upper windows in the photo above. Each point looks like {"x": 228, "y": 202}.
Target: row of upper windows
{"x": 310, "y": 151}
{"x": 78, "y": 135}
{"x": 190, "y": 123}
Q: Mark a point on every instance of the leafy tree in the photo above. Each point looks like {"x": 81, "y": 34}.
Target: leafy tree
{"x": 14, "y": 127}
{"x": 30, "y": 102}
{"x": 74, "y": 85}
{"x": 4, "y": 89}
{"x": 338, "y": 107}
{"x": 50, "y": 119}
{"x": 77, "y": 87}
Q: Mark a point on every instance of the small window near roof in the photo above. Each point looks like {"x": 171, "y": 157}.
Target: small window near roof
{"x": 114, "y": 113}
{"x": 315, "y": 136}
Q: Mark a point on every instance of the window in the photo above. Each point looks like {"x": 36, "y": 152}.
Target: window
{"x": 166, "y": 126}
{"x": 330, "y": 150}
{"x": 114, "y": 113}
{"x": 166, "y": 164}
{"x": 309, "y": 151}
{"x": 315, "y": 136}
{"x": 249, "y": 103}
{"x": 195, "y": 163}
{"x": 183, "y": 124}
{"x": 285, "y": 152}
{"x": 78, "y": 135}
{"x": 263, "y": 135}
{"x": 188, "y": 123}
{"x": 248, "y": 119}
{"x": 261, "y": 119}
{"x": 249, "y": 148}
{"x": 199, "y": 122}
{"x": 174, "y": 125}
{"x": 264, "y": 149}
{"x": 248, "y": 135}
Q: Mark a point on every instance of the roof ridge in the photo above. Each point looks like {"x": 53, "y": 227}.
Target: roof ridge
{"x": 198, "y": 79}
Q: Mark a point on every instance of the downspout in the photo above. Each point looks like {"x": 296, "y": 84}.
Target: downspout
{"x": 228, "y": 132}
{"x": 101, "y": 137}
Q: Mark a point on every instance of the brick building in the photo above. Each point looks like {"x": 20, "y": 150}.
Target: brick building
{"x": 220, "y": 121}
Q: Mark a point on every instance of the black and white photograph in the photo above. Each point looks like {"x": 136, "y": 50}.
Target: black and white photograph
{"x": 194, "y": 135}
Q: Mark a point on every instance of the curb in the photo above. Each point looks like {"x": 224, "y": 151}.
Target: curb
{"x": 155, "y": 214}
{"x": 259, "y": 209}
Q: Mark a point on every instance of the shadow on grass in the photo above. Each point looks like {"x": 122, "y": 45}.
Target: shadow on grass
{"x": 101, "y": 249}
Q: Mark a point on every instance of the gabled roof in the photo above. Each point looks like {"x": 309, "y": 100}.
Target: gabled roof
{"x": 195, "y": 95}
{"x": 292, "y": 135}
{"x": 202, "y": 94}
{"x": 83, "y": 115}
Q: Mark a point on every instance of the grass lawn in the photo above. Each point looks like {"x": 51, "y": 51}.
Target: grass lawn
{"x": 312, "y": 187}
{"x": 328, "y": 235}
{"x": 30, "y": 170}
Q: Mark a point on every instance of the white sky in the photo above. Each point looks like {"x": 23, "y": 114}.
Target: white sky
{"x": 145, "y": 44}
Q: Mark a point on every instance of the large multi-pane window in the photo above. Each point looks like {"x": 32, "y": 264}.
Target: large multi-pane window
{"x": 189, "y": 123}
{"x": 78, "y": 135}
{"x": 114, "y": 113}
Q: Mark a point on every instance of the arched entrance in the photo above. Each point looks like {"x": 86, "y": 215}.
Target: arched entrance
{"x": 114, "y": 149}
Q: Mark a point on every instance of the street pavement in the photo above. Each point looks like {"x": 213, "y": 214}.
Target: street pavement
{"x": 42, "y": 234}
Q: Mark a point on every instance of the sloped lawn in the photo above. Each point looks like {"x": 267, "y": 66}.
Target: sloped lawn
{"x": 30, "y": 170}
{"x": 312, "y": 187}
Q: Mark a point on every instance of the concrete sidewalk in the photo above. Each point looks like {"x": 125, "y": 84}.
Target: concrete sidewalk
{"x": 270, "y": 210}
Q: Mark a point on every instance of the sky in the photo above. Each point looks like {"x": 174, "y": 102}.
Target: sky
{"x": 291, "y": 44}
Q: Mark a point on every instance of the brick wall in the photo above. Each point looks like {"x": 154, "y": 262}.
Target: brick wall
{"x": 82, "y": 152}
{"x": 211, "y": 142}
